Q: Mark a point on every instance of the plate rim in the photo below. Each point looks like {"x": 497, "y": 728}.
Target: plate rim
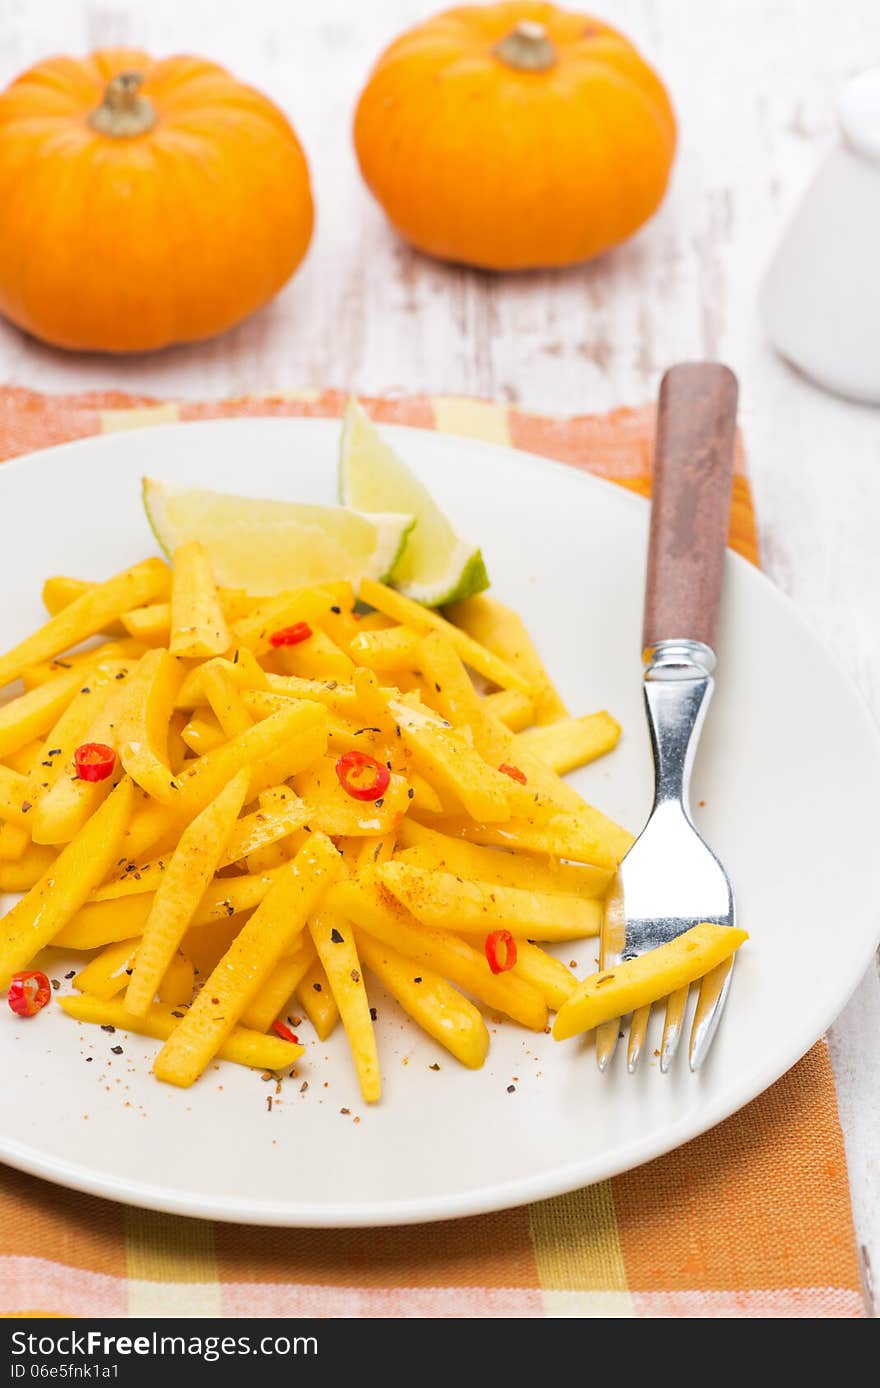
{"x": 504, "y": 1195}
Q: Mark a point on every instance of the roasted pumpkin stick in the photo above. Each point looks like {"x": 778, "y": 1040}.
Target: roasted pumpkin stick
{"x": 646, "y": 979}
{"x": 23, "y": 872}
{"x": 242, "y": 1046}
{"x": 380, "y": 915}
{"x": 570, "y": 742}
{"x": 423, "y": 619}
{"x": 150, "y": 624}
{"x": 316, "y": 999}
{"x": 426, "y": 848}
{"x": 184, "y": 883}
{"x": 441, "y": 899}
{"x": 244, "y": 969}
{"x": 39, "y": 917}
{"x": 59, "y": 591}
{"x": 333, "y": 938}
{"x": 437, "y": 1007}
{"x": 554, "y": 981}
{"x": 274, "y": 996}
{"x": 224, "y": 699}
{"x": 273, "y": 749}
{"x": 87, "y": 615}
{"x": 142, "y": 733}
{"x": 100, "y": 923}
{"x": 32, "y": 714}
{"x": 61, "y": 810}
{"x": 108, "y": 972}
{"x": 198, "y": 623}
{"x": 503, "y": 632}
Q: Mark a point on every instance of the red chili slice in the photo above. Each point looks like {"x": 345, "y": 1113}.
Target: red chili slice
{"x": 349, "y": 769}
{"x": 500, "y": 951}
{"x": 291, "y": 636}
{"x": 28, "y": 993}
{"x": 513, "y": 772}
{"x": 284, "y": 1032}
{"x": 94, "y": 761}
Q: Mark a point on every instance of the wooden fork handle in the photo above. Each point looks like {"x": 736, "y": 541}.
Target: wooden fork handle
{"x": 690, "y": 511}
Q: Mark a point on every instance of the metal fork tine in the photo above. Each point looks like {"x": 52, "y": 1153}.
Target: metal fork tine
{"x": 606, "y": 1042}
{"x": 672, "y": 1027}
{"x": 637, "y": 1030}
{"x": 710, "y": 1005}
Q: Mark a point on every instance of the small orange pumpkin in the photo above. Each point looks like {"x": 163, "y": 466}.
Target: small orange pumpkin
{"x": 144, "y": 203}
{"x": 515, "y": 136}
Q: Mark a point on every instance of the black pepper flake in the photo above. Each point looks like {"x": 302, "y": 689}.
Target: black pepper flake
{"x": 268, "y": 1103}
{"x": 121, "y": 675}
{"x": 54, "y": 752}
{"x": 397, "y": 730}
{"x": 235, "y": 657}
{"x": 355, "y": 976}
{"x": 26, "y": 805}
{"x": 175, "y": 1013}
{"x": 418, "y": 980}
{"x": 336, "y": 609}
{"x": 304, "y": 1086}
{"x": 56, "y": 983}
{"x": 85, "y": 689}
{"x": 410, "y": 793}
{"x": 72, "y": 974}
{"x": 379, "y": 803}
{"x": 62, "y": 664}
{"x": 373, "y": 1014}
{"x": 45, "y": 763}
{"x": 437, "y": 687}
{"x": 105, "y": 1026}
{"x": 129, "y": 972}
{"x": 215, "y": 1002}
{"x": 511, "y": 1089}
{"x": 336, "y": 937}
{"x": 89, "y": 1059}
{"x": 317, "y": 987}
{"x": 346, "y": 1111}
{"x": 435, "y": 1066}
{"x": 116, "y": 1050}
{"x": 358, "y": 731}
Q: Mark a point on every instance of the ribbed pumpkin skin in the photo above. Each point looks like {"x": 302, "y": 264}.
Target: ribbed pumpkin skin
{"x": 128, "y": 244}
{"x": 477, "y": 162}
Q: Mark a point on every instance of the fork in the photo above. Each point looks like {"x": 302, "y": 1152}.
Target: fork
{"x": 670, "y": 879}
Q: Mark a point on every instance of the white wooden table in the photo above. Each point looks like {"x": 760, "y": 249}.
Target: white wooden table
{"x": 754, "y": 84}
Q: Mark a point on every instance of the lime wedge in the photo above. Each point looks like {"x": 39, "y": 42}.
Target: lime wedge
{"x": 266, "y": 547}
{"x": 437, "y": 566}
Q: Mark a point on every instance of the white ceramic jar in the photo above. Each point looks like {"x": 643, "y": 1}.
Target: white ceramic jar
{"x": 820, "y": 299}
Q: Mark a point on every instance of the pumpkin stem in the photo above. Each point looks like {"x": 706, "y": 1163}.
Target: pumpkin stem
{"x": 527, "y": 48}
{"x": 124, "y": 113}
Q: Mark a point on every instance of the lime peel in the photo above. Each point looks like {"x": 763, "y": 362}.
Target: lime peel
{"x": 436, "y": 566}
{"x": 266, "y": 547}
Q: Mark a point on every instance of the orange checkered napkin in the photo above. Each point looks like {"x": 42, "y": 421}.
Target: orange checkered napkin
{"x": 752, "y": 1219}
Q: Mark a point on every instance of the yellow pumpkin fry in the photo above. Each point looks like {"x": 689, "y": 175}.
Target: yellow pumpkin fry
{"x": 242, "y": 1046}
{"x": 245, "y": 968}
{"x": 182, "y": 887}
{"x": 37, "y": 919}
{"x": 646, "y": 979}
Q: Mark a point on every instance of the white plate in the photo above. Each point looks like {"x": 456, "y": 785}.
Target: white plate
{"x": 789, "y": 773}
